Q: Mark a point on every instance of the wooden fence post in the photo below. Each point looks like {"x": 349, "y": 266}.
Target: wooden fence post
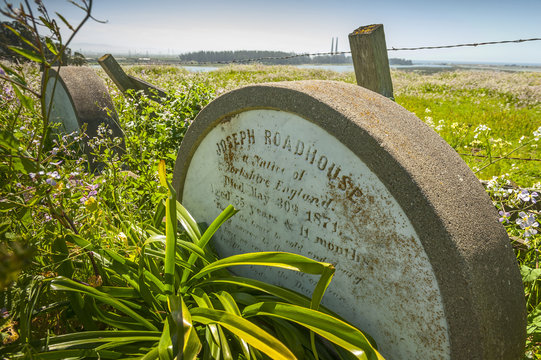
{"x": 370, "y": 61}
{"x": 126, "y": 82}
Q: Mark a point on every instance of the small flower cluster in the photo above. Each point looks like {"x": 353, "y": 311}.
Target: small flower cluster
{"x": 480, "y": 129}
{"x": 51, "y": 177}
{"x": 527, "y": 196}
{"x": 527, "y": 222}
{"x": 537, "y": 134}
{"x": 516, "y": 206}
{"x": 89, "y": 200}
{"x": 7, "y": 91}
{"x": 500, "y": 186}
{"x": 505, "y": 215}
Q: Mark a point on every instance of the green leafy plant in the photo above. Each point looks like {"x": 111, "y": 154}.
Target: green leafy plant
{"x": 177, "y": 300}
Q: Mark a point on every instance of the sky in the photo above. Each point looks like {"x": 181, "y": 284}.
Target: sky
{"x": 179, "y": 26}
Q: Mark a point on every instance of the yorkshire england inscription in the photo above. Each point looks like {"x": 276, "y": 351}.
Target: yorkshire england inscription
{"x": 301, "y": 188}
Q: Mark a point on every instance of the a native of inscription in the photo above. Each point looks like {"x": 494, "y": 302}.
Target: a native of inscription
{"x": 342, "y": 175}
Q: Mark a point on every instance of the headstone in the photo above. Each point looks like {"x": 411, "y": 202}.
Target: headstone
{"x": 343, "y": 175}
{"x": 126, "y": 82}
{"x": 81, "y": 100}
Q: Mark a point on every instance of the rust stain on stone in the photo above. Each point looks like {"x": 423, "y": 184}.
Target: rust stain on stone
{"x": 227, "y": 119}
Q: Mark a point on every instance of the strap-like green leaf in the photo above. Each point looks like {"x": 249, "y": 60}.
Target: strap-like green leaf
{"x": 29, "y": 54}
{"x": 185, "y": 244}
{"x": 65, "y": 21}
{"x": 246, "y": 330}
{"x": 317, "y": 295}
{"x": 186, "y": 344}
{"x": 51, "y": 46}
{"x": 120, "y": 292}
{"x": 14, "y": 76}
{"x": 224, "y": 345}
{"x": 25, "y": 100}
{"x": 161, "y": 254}
{"x": 192, "y": 347}
{"x": 66, "y": 269}
{"x": 152, "y": 354}
{"x": 202, "y": 300}
{"x": 207, "y": 235}
{"x": 229, "y": 304}
{"x": 278, "y": 259}
{"x": 9, "y": 141}
{"x": 178, "y": 325}
{"x": 102, "y": 338}
{"x": 72, "y": 354}
{"x": 188, "y": 223}
{"x": 223, "y": 217}
{"x": 280, "y": 292}
{"x": 291, "y": 335}
{"x": 331, "y": 328}
{"x": 170, "y": 239}
{"x": 62, "y": 283}
{"x": 87, "y": 337}
{"x": 114, "y": 320}
{"x": 165, "y": 346}
{"x": 20, "y": 36}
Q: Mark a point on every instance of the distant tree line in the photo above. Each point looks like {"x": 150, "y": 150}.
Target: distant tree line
{"x": 214, "y": 57}
{"x": 395, "y": 61}
{"x": 229, "y": 56}
{"x": 10, "y": 38}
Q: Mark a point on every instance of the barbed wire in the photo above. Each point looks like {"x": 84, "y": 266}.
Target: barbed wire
{"x": 332, "y": 53}
{"x": 464, "y": 45}
{"x": 500, "y": 157}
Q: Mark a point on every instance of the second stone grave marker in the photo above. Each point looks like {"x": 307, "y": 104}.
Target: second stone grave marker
{"x": 340, "y": 174}
{"x": 79, "y": 100}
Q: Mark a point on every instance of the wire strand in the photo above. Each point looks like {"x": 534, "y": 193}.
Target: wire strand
{"x": 241, "y": 61}
{"x": 463, "y": 45}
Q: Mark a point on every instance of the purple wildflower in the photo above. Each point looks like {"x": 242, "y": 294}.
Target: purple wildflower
{"x": 527, "y": 223}
{"x": 50, "y": 181}
{"x": 504, "y": 216}
{"x": 526, "y": 196}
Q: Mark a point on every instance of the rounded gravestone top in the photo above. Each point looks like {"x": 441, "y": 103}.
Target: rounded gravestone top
{"x": 343, "y": 175}
{"x": 81, "y": 101}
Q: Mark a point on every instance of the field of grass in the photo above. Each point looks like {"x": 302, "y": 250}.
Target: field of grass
{"x": 453, "y": 103}
{"x": 52, "y": 214}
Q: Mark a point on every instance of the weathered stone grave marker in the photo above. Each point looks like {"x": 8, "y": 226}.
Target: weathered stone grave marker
{"x": 343, "y": 175}
{"x": 80, "y": 101}
{"x": 126, "y": 82}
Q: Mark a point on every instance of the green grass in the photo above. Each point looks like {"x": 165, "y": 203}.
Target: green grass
{"x": 456, "y": 103}
{"x": 453, "y": 103}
